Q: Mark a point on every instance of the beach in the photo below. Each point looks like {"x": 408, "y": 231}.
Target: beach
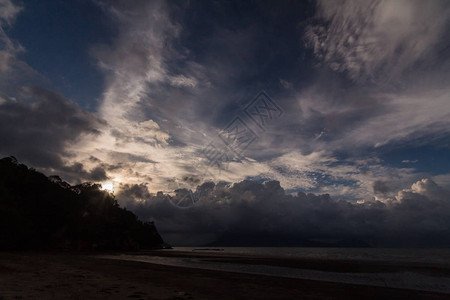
{"x": 45, "y": 275}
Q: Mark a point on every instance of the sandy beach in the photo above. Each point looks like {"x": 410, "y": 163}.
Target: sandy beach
{"x": 33, "y": 275}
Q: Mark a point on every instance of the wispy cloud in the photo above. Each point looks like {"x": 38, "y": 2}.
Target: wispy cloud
{"x": 8, "y": 11}
{"x": 378, "y": 40}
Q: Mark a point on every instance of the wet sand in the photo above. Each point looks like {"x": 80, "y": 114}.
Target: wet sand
{"x": 34, "y": 275}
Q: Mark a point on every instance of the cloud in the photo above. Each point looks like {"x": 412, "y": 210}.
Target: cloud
{"x": 407, "y": 161}
{"x": 285, "y": 84}
{"x": 130, "y": 194}
{"x": 414, "y": 217}
{"x": 382, "y": 187}
{"x": 182, "y": 80}
{"x": 394, "y": 53}
{"x": 171, "y": 83}
{"x": 8, "y": 11}
{"x": 8, "y": 48}
{"x": 378, "y": 40}
{"x": 40, "y": 128}
{"x": 166, "y": 101}
{"x": 419, "y": 118}
{"x": 138, "y": 140}
{"x": 137, "y": 56}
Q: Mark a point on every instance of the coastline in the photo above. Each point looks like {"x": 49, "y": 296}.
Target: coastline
{"x": 41, "y": 275}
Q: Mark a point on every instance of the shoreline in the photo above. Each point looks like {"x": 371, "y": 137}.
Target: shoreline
{"x": 41, "y": 275}
{"x": 323, "y": 264}
{"x": 393, "y": 274}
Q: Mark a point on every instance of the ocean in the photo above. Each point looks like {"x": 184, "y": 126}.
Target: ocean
{"x": 417, "y": 279}
{"x": 440, "y": 256}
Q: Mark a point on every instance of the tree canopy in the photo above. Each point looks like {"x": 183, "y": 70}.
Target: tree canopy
{"x": 40, "y": 212}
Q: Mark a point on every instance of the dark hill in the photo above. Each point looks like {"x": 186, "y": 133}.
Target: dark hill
{"x": 39, "y": 212}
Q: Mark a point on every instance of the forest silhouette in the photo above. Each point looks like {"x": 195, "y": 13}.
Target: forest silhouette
{"x": 40, "y": 212}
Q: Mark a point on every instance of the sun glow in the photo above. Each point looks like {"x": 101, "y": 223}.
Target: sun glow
{"x": 108, "y": 186}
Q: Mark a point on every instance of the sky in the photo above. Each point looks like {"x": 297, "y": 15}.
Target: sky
{"x": 323, "y": 120}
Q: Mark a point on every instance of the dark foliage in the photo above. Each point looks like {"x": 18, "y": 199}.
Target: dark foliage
{"x": 39, "y": 212}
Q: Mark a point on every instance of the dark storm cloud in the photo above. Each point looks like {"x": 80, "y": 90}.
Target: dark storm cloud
{"x": 382, "y": 187}
{"x": 77, "y": 173}
{"x": 414, "y": 217}
{"x": 130, "y": 193}
{"x": 40, "y": 129}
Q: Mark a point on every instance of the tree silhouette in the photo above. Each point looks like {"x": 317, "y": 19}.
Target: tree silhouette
{"x": 39, "y": 212}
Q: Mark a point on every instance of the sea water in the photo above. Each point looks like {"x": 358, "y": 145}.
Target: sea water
{"x": 407, "y": 279}
{"x": 438, "y": 256}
